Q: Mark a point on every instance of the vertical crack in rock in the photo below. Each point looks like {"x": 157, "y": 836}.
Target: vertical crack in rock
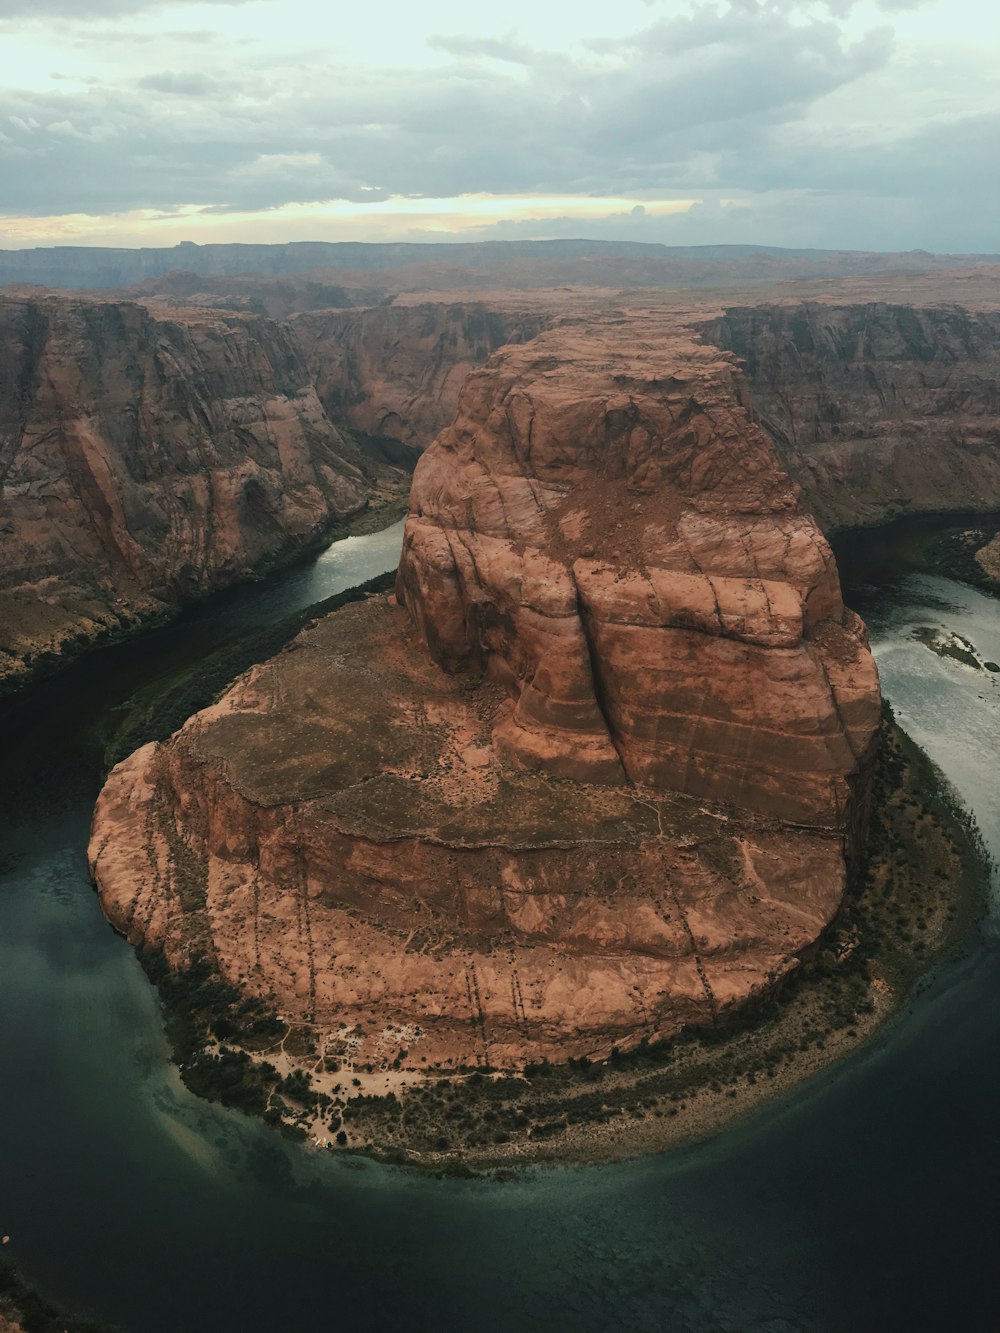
{"x": 640, "y": 597}
{"x": 594, "y": 662}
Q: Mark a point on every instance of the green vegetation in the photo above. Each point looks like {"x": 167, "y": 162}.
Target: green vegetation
{"x": 23, "y": 1308}
{"x": 169, "y": 706}
{"x": 916, "y": 894}
{"x": 215, "y": 1032}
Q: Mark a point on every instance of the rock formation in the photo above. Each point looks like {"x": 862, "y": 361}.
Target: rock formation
{"x": 145, "y": 460}
{"x": 606, "y": 532}
{"x": 395, "y": 371}
{"x": 876, "y": 408}
{"x": 593, "y": 775}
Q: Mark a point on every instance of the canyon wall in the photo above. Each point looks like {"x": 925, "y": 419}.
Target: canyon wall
{"x": 594, "y": 774}
{"x": 396, "y": 371}
{"x": 146, "y": 460}
{"x": 606, "y": 532}
{"x": 877, "y": 409}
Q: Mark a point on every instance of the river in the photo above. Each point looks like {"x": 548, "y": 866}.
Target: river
{"x": 868, "y": 1199}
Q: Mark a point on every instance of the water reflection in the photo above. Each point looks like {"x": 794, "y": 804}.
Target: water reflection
{"x": 868, "y": 1200}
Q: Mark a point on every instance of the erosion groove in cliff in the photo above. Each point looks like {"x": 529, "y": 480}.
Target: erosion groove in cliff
{"x": 588, "y": 777}
{"x": 145, "y": 460}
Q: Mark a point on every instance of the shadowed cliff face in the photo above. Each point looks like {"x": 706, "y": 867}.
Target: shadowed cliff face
{"x": 876, "y": 409}
{"x": 397, "y": 372}
{"x": 622, "y": 806}
{"x": 143, "y": 461}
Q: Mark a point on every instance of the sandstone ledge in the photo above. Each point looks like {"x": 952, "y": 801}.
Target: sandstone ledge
{"x": 338, "y": 831}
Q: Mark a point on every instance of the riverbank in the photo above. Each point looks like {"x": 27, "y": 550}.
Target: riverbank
{"x": 970, "y": 555}
{"x": 22, "y": 1310}
{"x": 386, "y": 505}
{"x": 919, "y": 893}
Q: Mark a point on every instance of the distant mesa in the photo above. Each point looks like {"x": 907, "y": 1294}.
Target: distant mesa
{"x": 590, "y": 261}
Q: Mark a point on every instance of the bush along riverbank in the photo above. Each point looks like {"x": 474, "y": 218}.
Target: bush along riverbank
{"x": 919, "y": 892}
{"x": 23, "y": 1310}
{"x": 968, "y": 555}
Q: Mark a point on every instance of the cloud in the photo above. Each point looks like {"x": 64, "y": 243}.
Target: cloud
{"x": 724, "y": 102}
{"x": 181, "y": 85}
{"x": 508, "y": 49}
{"x": 88, "y": 9}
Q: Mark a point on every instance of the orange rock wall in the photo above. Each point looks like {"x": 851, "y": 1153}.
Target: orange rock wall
{"x": 606, "y": 531}
{"x": 877, "y": 409}
{"x": 144, "y": 460}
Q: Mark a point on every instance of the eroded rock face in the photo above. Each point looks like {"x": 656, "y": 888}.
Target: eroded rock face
{"x": 396, "y": 372}
{"x": 341, "y": 831}
{"x": 624, "y": 803}
{"x": 877, "y": 409}
{"x": 606, "y": 532}
{"x": 144, "y": 460}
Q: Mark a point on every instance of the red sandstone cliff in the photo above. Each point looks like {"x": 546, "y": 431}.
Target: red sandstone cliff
{"x": 606, "y": 532}
{"x": 625, "y": 803}
{"x": 397, "y": 371}
{"x": 876, "y": 408}
{"x": 144, "y": 460}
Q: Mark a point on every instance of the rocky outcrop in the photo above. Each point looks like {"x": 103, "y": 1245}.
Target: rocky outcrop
{"x": 340, "y": 831}
{"x": 592, "y": 776}
{"x": 395, "y": 372}
{"x": 988, "y": 559}
{"x": 144, "y": 461}
{"x": 876, "y": 409}
{"x": 606, "y": 532}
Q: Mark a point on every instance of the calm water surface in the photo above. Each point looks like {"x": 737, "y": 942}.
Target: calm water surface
{"x": 867, "y": 1200}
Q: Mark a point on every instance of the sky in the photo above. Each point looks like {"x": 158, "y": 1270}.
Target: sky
{"x": 872, "y": 125}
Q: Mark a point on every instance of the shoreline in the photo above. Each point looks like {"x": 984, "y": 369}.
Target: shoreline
{"x": 912, "y": 904}
{"x": 382, "y": 510}
{"x": 24, "y": 1310}
{"x": 944, "y": 542}
{"x": 761, "y": 1057}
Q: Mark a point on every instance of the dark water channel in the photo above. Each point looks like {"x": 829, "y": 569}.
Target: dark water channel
{"x": 866, "y": 1200}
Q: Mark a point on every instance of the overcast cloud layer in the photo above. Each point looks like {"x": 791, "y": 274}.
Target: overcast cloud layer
{"x": 776, "y": 123}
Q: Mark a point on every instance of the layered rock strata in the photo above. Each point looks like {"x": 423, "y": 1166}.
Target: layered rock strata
{"x": 876, "y": 408}
{"x": 145, "y": 460}
{"x": 593, "y": 775}
{"x": 606, "y": 532}
{"x": 395, "y": 372}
